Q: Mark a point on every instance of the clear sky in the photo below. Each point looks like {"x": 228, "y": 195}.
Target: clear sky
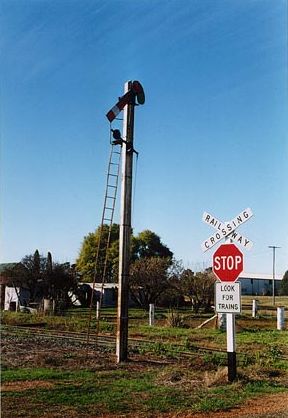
{"x": 212, "y": 135}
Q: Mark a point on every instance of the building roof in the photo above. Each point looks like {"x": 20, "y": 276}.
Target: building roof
{"x": 5, "y": 266}
{"x": 259, "y": 276}
{"x": 99, "y": 285}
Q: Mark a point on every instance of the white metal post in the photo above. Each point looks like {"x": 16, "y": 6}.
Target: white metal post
{"x": 231, "y": 342}
{"x": 231, "y": 346}
{"x": 230, "y": 326}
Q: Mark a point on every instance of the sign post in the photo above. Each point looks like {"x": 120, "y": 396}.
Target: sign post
{"x": 227, "y": 266}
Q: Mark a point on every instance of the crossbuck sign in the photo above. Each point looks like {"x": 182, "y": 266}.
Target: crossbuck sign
{"x": 227, "y": 230}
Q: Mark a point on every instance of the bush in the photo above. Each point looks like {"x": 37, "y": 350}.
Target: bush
{"x": 175, "y": 320}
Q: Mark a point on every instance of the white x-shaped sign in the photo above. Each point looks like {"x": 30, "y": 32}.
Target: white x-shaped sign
{"x": 227, "y": 230}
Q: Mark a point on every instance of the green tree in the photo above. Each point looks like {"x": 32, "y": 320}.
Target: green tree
{"x": 85, "y": 263}
{"x": 42, "y": 277}
{"x": 33, "y": 274}
{"x": 60, "y": 280}
{"x": 148, "y": 244}
{"x": 284, "y": 285}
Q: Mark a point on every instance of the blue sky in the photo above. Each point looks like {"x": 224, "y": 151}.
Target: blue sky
{"x": 212, "y": 135}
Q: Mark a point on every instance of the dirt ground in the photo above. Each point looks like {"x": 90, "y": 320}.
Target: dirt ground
{"x": 35, "y": 352}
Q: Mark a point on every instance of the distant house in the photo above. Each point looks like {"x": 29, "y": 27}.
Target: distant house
{"x": 12, "y": 295}
{"x": 256, "y": 284}
{"x": 109, "y": 292}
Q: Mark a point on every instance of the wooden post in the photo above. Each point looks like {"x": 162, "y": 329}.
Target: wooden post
{"x": 125, "y": 230}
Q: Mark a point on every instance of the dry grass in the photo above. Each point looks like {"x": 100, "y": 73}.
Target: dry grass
{"x": 216, "y": 378}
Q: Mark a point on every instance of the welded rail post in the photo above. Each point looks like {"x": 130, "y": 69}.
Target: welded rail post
{"x": 231, "y": 343}
{"x": 231, "y": 347}
{"x": 125, "y": 229}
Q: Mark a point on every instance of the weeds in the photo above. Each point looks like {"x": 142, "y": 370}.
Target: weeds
{"x": 216, "y": 378}
{"x": 216, "y": 359}
{"x": 174, "y": 319}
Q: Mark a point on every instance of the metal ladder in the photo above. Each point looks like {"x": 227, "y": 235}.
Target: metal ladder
{"x": 107, "y": 218}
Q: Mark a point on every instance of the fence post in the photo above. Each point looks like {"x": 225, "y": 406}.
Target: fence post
{"x": 254, "y": 308}
{"x": 221, "y": 321}
{"x": 280, "y": 318}
{"x": 97, "y": 309}
{"x": 47, "y": 306}
{"x": 151, "y": 314}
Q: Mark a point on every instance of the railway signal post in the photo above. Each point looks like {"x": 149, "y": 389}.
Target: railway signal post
{"x": 133, "y": 91}
{"x": 125, "y": 230}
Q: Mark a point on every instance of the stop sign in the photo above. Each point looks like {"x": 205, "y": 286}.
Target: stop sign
{"x": 227, "y": 262}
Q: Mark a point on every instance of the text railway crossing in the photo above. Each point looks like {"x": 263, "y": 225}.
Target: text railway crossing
{"x": 227, "y": 230}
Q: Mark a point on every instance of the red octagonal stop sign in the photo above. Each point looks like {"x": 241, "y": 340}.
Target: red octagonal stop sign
{"x": 227, "y": 262}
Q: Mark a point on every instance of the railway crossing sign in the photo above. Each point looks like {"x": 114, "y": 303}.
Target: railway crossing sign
{"x": 227, "y": 230}
{"x": 227, "y": 266}
{"x": 227, "y": 263}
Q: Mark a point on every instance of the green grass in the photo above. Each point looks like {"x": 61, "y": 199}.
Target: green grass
{"x": 151, "y": 390}
{"x": 266, "y": 300}
{"x": 120, "y": 391}
{"x": 228, "y": 396}
{"x": 16, "y": 375}
{"x": 113, "y": 391}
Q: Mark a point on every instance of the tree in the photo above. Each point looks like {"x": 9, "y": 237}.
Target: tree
{"x": 149, "y": 278}
{"x": 148, "y": 244}
{"x": 85, "y": 263}
{"x": 198, "y": 288}
{"x": 33, "y": 274}
{"x": 284, "y": 285}
{"x": 145, "y": 244}
{"x": 60, "y": 280}
{"x": 42, "y": 277}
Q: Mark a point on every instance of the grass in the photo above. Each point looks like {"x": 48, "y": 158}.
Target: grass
{"x": 16, "y": 375}
{"x": 266, "y": 300}
{"x": 173, "y": 385}
{"x": 113, "y": 391}
{"x": 121, "y": 391}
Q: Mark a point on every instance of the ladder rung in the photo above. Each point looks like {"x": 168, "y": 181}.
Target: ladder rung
{"x": 109, "y": 185}
{"x": 107, "y": 219}
{"x": 113, "y": 175}
{"x": 110, "y": 197}
{"x": 106, "y": 207}
{"x": 114, "y": 164}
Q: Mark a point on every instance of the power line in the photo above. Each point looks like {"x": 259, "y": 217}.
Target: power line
{"x": 273, "y": 269}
